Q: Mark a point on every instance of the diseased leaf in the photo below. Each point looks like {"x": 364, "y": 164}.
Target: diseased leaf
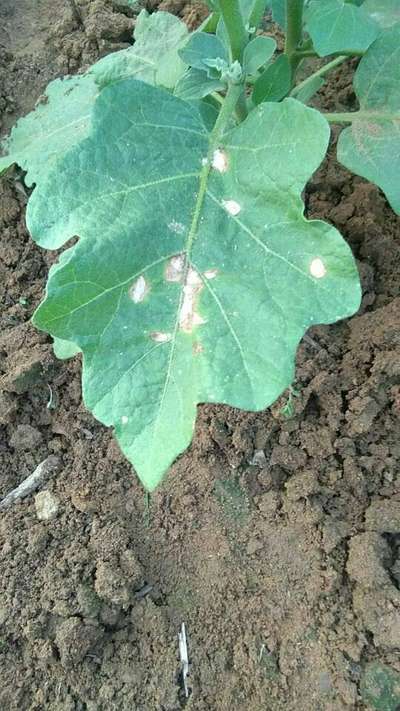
{"x": 371, "y": 145}
{"x": 274, "y": 83}
{"x": 339, "y": 26}
{"x": 202, "y": 46}
{"x": 195, "y": 84}
{"x": 63, "y": 115}
{"x": 190, "y": 282}
{"x": 385, "y": 13}
{"x": 258, "y": 52}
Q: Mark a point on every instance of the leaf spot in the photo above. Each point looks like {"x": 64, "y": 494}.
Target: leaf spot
{"x": 317, "y": 268}
{"x": 231, "y": 206}
{"x": 138, "y": 290}
{"x": 220, "y": 161}
{"x": 188, "y": 316}
{"x": 210, "y": 273}
{"x": 175, "y": 268}
{"x": 176, "y": 227}
{"x": 197, "y": 348}
{"x": 124, "y": 419}
{"x": 160, "y": 336}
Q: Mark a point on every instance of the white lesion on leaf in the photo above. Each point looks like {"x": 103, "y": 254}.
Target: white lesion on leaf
{"x": 210, "y": 273}
{"x": 188, "y": 315}
{"x": 317, "y": 268}
{"x": 139, "y": 289}
{"x": 160, "y": 336}
{"x": 220, "y": 161}
{"x": 232, "y": 207}
{"x": 175, "y": 268}
{"x": 176, "y": 227}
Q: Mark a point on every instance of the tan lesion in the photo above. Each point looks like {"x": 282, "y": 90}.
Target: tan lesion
{"x": 177, "y": 270}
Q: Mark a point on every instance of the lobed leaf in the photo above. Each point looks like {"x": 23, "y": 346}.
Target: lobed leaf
{"x": 339, "y": 26}
{"x": 62, "y": 117}
{"x": 371, "y": 145}
{"x": 193, "y": 279}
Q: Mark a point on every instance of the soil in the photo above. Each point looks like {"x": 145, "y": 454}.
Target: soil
{"x": 275, "y": 538}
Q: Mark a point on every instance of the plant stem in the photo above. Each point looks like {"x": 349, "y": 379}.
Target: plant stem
{"x": 235, "y": 28}
{"x": 303, "y": 53}
{"x": 241, "y": 106}
{"x": 228, "y": 107}
{"x": 343, "y": 118}
{"x": 294, "y": 31}
{"x": 319, "y": 73}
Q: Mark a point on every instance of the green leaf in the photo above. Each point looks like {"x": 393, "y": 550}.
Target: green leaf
{"x": 305, "y": 93}
{"x": 189, "y": 283}
{"x": 258, "y": 52}
{"x": 371, "y": 145}
{"x": 385, "y": 13}
{"x": 274, "y": 83}
{"x": 195, "y": 84}
{"x": 64, "y": 349}
{"x": 279, "y": 12}
{"x": 338, "y": 26}
{"x": 154, "y": 57}
{"x": 62, "y": 117}
{"x": 202, "y": 46}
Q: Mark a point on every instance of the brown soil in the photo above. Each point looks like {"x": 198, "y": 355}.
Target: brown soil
{"x": 284, "y": 566}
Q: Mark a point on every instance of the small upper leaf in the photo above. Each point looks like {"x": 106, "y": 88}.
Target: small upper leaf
{"x": 196, "y": 273}
{"x": 371, "y": 145}
{"x": 202, "y": 46}
{"x": 339, "y": 26}
{"x": 275, "y": 81}
{"x": 62, "y": 116}
{"x": 257, "y": 53}
{"x": 195, "y": 84}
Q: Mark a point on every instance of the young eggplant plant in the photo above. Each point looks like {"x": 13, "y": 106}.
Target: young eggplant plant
{"x": 180, "y": 163}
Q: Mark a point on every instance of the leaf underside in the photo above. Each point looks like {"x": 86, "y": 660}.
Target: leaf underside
{"x": 371, "y": 145}
{"x": 188, "y": 284}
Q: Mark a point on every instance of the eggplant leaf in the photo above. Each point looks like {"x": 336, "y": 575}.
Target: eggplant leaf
{"x": 194, "y": 278}
{"x": 371, "y": 145}
{"x": 339, "y": 26}
{"x": 63, "y": 114}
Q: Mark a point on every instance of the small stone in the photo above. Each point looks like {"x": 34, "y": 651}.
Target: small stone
{"x": 46, "y": 505}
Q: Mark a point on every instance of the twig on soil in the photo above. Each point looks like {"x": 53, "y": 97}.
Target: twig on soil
{"x": 183, "y": 653}
{"x": 42, "y": 472}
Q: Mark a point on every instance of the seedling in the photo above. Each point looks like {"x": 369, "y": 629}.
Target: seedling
{"x": 180, "y": 163}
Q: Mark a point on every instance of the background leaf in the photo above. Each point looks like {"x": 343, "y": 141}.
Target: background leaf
{"x": 274, "y": 83}
{"x": 188, "y": 284}
{"x": 62, "y": 117}
{"x": 336, "y": 26}
{"x": 385, "y": 12}
{"x": 371, "y": 145}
